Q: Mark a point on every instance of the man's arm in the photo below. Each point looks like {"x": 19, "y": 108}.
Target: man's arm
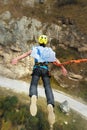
{"x": 64, "y": 71}
{"x": 15, "y": 60}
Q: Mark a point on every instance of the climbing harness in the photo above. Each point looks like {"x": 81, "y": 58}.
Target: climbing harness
{"x": 43, "y": 65}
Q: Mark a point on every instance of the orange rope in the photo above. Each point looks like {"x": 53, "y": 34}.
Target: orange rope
{"x": 69, "y": 62}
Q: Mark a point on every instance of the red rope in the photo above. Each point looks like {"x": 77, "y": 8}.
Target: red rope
{"x": 69, "y": 62}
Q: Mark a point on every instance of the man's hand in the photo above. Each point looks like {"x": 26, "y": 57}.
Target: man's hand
{"x": 58, "y": 63}
{"x": 14, "y": 61}
{"x": 64, "y": 71}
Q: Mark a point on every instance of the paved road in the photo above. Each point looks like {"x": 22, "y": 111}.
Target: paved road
{"x": 21, "y": 86}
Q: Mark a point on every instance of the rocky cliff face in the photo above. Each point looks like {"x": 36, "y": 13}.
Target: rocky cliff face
{"x": 18, "y": 35}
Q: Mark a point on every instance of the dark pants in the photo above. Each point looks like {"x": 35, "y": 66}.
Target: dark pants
{"x": 44, "y": 74}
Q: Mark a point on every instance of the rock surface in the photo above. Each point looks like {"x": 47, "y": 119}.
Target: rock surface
{"x": 18, "y": 35}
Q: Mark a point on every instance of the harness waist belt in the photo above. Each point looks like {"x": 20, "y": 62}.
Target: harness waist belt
{"x": 41, "y": 64}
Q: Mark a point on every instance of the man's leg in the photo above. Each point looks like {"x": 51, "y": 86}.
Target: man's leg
{"x": 33, "y": 94}
{"x": 50, "y": 100}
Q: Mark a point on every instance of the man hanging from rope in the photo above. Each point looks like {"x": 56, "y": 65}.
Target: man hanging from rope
{"x": 43, "y": 56}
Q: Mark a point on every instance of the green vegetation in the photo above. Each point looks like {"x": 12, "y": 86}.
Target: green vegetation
{"x": 15, "y": 115}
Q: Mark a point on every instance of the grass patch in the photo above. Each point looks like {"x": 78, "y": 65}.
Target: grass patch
{"x": 18, "y": 116}
{"x": 74, "y": 121}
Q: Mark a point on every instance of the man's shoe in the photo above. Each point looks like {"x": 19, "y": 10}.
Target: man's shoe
{"x": 33, "y": 105}
{"x": 51, "y": 115}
